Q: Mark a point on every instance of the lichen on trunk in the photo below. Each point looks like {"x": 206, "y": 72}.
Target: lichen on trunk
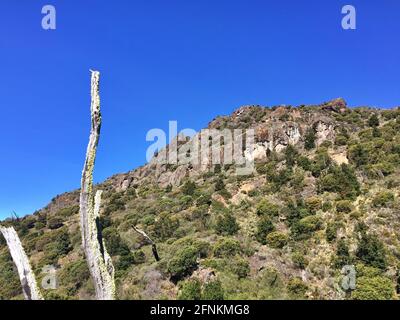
{"x": 27, "y": 277}
{"x": 99, "y": 261}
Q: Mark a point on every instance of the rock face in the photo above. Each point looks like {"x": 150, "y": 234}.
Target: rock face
{"x": 274, "y": 129}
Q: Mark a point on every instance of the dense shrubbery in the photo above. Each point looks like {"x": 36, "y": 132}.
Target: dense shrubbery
{"x": 383, "y": 199}
{"x": 183, "y": 263}
{"x": 371, "y": 251}
{"x": 264, "y": 227}
{"x": 341, "y": 180}
{"x": 266, "y": 208}
{"x": 226, "y": 224}
{"x": 374, "y": 288}
{"x": 213, "y": 290}
{"x": 190, "y": 290}
{"x": 297, "y": 288}
{"x": 277, "y": 239}
{"x": 304, "y": 228}
{"x": 226, "y": 247}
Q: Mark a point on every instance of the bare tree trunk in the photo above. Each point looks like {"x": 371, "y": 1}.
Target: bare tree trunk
{"x": 153, "y": 244}
{"x": 26, "y": 275}
{"x": 99, "y": 261}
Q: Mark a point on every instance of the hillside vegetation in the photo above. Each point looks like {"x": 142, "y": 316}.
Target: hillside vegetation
{"x": 325, "y": 194}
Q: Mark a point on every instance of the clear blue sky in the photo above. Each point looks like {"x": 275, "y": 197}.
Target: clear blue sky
{"x": 170, "y": 60}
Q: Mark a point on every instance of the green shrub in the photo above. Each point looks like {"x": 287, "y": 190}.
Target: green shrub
{"x": 383, "y": 199}
{"x": 125, "y": 261}
{"x": 265, "y": 208}
{"x": 313, "y": 204}
{"x": 376, "y": 288}
{"x": 74, "y": 275}
{"x": 183, "y": 263}
{"x": 226, "y": 247}
{"x": 165, "y": 226}
{"x": 371, "y": 251}
{"x": 331, "y": 231}
{"x": 342, "y": 255}
{"x": 297, "y": 288}
{"x": 264, "y": 227}
{"x": 309, "y": 142}
{"x": 213, "y": 290}
{"x": 240, "y": 267}
{"x": 226, "y": 224}
{"x": 114, "y": 243}
{"x": 373, "y": 121}
{"x": 190, "y": 290}
{"x": 344, "y": 206}
{"x": 277, "y": 239}
{"x": 139, "y": 256}
{"x": 299, "y": 260}
{"x": 306, "y": 226}
{"x": 189, "y": 188}
{"x": 54, "y": 223}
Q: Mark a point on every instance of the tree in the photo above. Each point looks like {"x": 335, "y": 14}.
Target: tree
{"x": 371, "y": 251}
{"x": 226, "y": 224}
{"x": 99, "y": 262}
{"x": 264, "y": 227}
{"x": 375, "y": 288}
{"x": 213, "y": 290}
{"x": 309, "y": 142}
{"x": 373, "y": 121}
{"x": 190, "y": 290}
{"x": 189, "y": 188}
{"x": 342, "y": 254}
{"x": 183, "y": 263}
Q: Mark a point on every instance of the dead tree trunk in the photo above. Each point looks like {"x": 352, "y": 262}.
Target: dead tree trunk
{"x": 26, "y": 275}
{"x": 153, "y": 244}
{"x": 99, "y": 261}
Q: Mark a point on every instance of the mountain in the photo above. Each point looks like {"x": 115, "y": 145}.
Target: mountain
{"x": 324, "y": 194}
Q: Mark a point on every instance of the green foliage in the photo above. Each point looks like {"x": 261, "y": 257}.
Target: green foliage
{"x": 373, "y": 121}
{"x": 59, "y": 246}
{"x": 313, "y": 204}
{"x": 74, "y": 275}
{"x": 226, "y": 247}
{"x": 299, "y": 260}
{"x": 165, "y": 226}
{"x": 183, "y": 263}
{"x": 331, "y": 230}
{"x": 304, "y": 228}
{"x": 240, "y": 267}
{"x": 226, "y": 224}
{"x": 344, "y": 206}
{"x": 190, "y": 290}
{"x": 341, "y": 180}
{"x": 264, "y": 227}
{"x": 54, "y": 223}
{"x": 297, "y": 288}
{"x": 265, "y": 208}
{"x": 309, "y": 142}
{"x": 114, "y": 243}
{"x": 371, "y": 251}
{"x": 342, "y": 255}
{"x": 383, "y": 199}
{"x": 189, "y": 188}
{"x": 290, "y": 155}
{"x": 375, "y": 288}
{"x": 213, "y": 290}
{"x": 10, "y": 285}
{"x": 277, "y": 239}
